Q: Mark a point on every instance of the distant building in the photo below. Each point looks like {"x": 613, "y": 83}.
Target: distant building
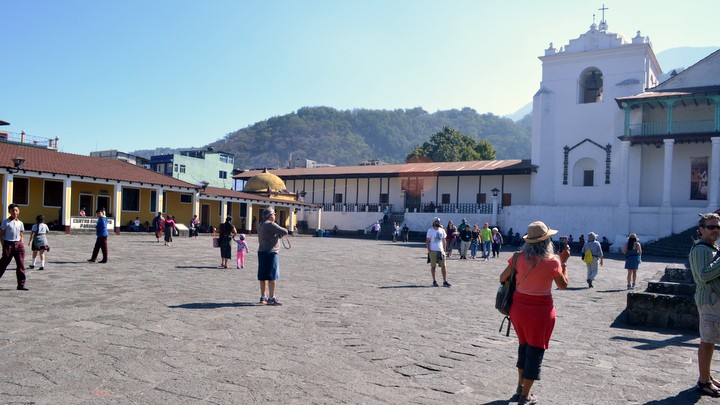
{"x": 125, "y": 157}
{"x": 301, "y": 163}
{"x": 197, "y": 166}
{"x": 373, "y": 162}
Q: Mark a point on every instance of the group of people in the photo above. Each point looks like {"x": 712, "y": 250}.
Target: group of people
{"x": 269, "y": 234}
{"x": 592, "y": 253}
{"x": 464, "y": 238}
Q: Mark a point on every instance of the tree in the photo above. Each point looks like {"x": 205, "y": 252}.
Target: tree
{"x": 450, "y": 145}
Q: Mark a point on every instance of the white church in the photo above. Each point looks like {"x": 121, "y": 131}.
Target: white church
{"x": 613, "y": 151}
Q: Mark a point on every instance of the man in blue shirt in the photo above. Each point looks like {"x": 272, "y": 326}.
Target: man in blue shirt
{"x": 101, "y": 230}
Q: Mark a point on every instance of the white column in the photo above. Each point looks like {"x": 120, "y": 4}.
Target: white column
{"x": 667, "y": 175}
{"x": 223, "y": 211}
{"x": 248, "y": 218}
{"x": 196, "y": 204}
{"x": 714, "y": 180}
{"x": 624, "y": 172}
{"x": 7, "y": 192}
{"x": 67, "y": 205}
{"x": 291, "y": 221}
{"x": 159, "y": 199}
{"x": 118, "y": 208}
{"x": 494, "y": 210}
{"x": 319, "y": 218}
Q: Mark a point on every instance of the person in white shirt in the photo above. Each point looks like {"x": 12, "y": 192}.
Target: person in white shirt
{"x": 436, "y": 243}
{"x": 11, "y": 235}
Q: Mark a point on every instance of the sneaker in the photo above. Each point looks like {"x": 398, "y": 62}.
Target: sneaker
{"x": 633, "y": 286}
{"x": 274, "y": 301}
{"x": 629, "y": 287}
{"x": 22, "y": 288}
{"x": 263, "y": 300}
{"x": 435, "y": 284}
{"x": 528, "y": 400}
{"x": 446, "y": 284}
{"x": 32, "y": 266}
{"x": 41, "y": 268}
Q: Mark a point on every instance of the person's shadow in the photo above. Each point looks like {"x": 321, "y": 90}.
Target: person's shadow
{"x": 215, "y": 305}
{"x": 688, "y": 396}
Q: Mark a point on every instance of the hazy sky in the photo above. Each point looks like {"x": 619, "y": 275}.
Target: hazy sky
{"x": 138, "y": 74}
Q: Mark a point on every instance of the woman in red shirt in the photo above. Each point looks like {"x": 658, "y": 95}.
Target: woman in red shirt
{"x": 532, "y": 312}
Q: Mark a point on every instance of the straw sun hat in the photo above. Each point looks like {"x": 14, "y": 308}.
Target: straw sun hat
{"x": 538, "y": 232}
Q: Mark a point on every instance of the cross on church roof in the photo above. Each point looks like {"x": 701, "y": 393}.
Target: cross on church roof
{"x": 603, "y": 12}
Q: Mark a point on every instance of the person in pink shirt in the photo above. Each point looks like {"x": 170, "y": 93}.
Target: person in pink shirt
{"x": 242, "y": 248}
{"x": 532, "y": 312}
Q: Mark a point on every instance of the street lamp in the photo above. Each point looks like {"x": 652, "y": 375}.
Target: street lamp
{"x": 203, "y": 185}
{"x": 495, "y": 192}
{"x": 17, "y": 162}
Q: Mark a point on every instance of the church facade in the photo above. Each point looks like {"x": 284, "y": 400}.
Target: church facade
{"x": 616, "y": 151}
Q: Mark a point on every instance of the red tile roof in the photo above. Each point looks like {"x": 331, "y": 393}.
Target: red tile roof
{"x": 51, "y": 161}
{"x": 403, "y": 170}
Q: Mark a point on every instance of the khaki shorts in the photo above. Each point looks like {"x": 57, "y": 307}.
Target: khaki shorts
{"x": 437, "y": 258}
{"x": 709, "y": 323}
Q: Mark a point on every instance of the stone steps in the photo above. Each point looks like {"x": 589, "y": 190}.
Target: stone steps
{"x": 668, "y": 302}
{"x": 675, "y": 245}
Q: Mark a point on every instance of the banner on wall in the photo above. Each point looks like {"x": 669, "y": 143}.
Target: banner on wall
{"x": 88, "y": 223}
{"x": 698, "y": 178}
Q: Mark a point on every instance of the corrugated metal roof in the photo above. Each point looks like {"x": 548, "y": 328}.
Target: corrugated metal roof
{"x": 407, "y": 169}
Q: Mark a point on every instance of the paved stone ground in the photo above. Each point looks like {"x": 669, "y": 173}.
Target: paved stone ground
{"x": 360, "y": 325}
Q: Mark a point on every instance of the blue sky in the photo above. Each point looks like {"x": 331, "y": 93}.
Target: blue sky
{"x": 136, "y": 74}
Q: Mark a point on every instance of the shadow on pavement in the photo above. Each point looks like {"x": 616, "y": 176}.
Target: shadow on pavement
{"x": 200, "y": 267}
{"x": 406, "y": 286}
{"x": 688, "y": 396}
{"x": 215, "y": 305}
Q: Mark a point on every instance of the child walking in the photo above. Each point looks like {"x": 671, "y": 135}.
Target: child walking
{"x": 38, "y": 241}
{"x": 242, "y": 248}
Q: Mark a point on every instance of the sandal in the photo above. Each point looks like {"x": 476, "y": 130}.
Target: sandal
{"x": 528, "y": 400}
{"x": 707, "y": 388}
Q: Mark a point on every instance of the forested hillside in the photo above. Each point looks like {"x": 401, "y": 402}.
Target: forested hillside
{"x": 348, "y": 137}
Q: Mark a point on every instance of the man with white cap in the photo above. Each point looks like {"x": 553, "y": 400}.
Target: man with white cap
{"x": 435, "y": 241}
{"x": 269, "y": 234}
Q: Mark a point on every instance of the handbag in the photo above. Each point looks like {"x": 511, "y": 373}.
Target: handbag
{"x": 216, "y": 242}
{"x": 588, "y": 257}
{"x": 503, "y": 298}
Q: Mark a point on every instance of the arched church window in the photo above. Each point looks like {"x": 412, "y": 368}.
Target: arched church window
{"x": 591, "y": 86}
{"x": 583, "y": 173}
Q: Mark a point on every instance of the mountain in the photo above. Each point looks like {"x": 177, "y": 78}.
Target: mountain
{"x": 347, "y": 137}
{"x": 683, "y": 57}
{"x": 521, "y": 113}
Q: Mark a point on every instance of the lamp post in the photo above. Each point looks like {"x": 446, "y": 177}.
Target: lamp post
{"x": 17, "y": 162}
{"x": 495, "y": 192}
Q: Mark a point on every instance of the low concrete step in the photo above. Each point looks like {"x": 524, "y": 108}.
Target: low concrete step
{"x": 661, "y": 310}
{"x": 671, "y": 288}
{"x": 668, "y": 302}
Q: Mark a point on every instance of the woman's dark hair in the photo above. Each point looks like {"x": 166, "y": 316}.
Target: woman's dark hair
{"x": 631, "y": 243}
{"x": 40, "y": 219}
{"x": 228, "y": 219}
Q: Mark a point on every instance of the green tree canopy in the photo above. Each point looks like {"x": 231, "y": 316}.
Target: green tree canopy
{"x": 449, "y": 145}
